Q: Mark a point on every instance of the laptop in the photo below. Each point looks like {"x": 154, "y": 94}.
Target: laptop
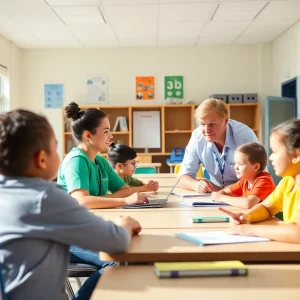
{"x": 154, "y": 202}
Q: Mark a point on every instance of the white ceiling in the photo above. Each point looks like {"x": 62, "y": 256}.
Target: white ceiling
{"x": 150, "y": 23}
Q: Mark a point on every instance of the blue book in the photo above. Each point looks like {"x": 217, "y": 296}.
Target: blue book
{"x": 196, "y": 202}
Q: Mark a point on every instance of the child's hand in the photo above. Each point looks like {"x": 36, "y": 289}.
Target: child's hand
{"x": 131, "y": 224}
{"x": 151, "y": 186}
{"x": 238, "y": 229}
{"x": 205, "y": 186}
{"x": 155, "y": 184}
{"x": 136, "y": 198}
{"x": 236, "y": 218}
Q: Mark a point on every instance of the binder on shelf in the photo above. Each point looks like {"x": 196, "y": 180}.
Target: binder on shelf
{"x": 123, "y": 124}
{"x": 120, "y": 124}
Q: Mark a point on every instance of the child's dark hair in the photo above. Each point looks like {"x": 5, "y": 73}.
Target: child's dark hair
{"x": 120, "y": 154}
{"x": 22, "y": 135}
{"x": 82, "y": 120}
{"x": 256, "y": 153}
{"x": 289, "y": 134}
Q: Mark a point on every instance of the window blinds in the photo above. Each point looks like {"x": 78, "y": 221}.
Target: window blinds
{"x": 3, "y": 70}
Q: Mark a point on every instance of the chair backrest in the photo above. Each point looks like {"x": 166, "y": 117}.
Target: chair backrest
{"x": 145, "y": 170}
{"x": 177, "y": 169}
{"x": 2, "y": 292}
{"x": 199, "y": 174}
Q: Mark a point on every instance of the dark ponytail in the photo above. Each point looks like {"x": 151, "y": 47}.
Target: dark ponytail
{"x": 82, "y": 120}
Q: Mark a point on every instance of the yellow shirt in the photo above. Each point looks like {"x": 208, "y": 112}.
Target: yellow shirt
{"x": 286, "y": 200}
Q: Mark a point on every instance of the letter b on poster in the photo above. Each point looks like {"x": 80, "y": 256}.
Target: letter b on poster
{"x": 174, "y": 87}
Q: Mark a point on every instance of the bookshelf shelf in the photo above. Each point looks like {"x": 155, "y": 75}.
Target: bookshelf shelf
{"x": 120, "y": 132}
{"x": 177, "y": 125}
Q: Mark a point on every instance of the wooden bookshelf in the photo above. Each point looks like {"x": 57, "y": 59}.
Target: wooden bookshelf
{"x": 177, "y": 125}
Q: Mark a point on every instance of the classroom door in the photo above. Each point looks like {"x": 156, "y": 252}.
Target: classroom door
{"x": 277, "y": 110}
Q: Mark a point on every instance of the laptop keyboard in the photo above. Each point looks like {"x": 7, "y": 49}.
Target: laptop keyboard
{"x": 152, "y": 203}
{"x": 156, "y": 202}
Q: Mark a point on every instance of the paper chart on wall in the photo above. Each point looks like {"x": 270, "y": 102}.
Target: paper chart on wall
{"x": 96, "y": 89}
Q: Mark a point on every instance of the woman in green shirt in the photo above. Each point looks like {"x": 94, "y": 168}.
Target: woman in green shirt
{"x": 87, "y": 176}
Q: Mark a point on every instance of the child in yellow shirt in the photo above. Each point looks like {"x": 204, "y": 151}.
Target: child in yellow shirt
{"x": 285, "y": 157}
{"x": 123, "y": 159}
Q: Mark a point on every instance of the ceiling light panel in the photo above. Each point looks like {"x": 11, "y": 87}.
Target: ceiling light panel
{"x": 73, "y": 2}
{"x": 131, "y": 14}
{"x": 87, "y": 32}
{"x": 188, "y": 12}
{"x": 79, "y": 14}
{"x": 226, "y": 31}
{"x": 181, "y": 31}
{"x": 21, "y": 13}
{"x": 281, "y": 10}
{"x": 124, "y": 2}
{"x": 238, "y": 11}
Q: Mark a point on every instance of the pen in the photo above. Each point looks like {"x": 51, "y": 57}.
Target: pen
{"x": 216, "y": 219}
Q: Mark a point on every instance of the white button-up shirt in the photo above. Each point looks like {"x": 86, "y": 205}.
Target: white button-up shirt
{"x": 200, "y": 151}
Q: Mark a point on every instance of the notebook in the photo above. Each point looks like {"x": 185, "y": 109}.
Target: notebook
{"x": 218, "y": 237}
{"x": 195, "y": 269}
{"x": 196, "y": 202}
{"x": 191, "y": 194}
{"x": 154, "y": 202}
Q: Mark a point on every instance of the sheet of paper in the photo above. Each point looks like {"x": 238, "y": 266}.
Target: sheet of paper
{"x": 218, "y": 237}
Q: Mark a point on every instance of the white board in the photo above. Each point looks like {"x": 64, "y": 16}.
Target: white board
{"x": 146, "y": 129}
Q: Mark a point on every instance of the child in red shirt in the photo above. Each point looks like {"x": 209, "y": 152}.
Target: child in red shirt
{"x": 254, "y": 184}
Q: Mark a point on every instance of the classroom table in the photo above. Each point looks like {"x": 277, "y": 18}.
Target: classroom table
{"x": 172, "y": 166}
{"x": 169, "y": 219}
{"x": 162, "y": 245}
{"x": 173, "y": 203}
{"x": 274, "y": 281}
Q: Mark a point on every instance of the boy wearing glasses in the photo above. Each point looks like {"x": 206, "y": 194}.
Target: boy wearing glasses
{"x": 123, "y": 159}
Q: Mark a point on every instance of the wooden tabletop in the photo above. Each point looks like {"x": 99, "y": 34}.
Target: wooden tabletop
{"x": 276, "y": 282}
{"x": 162, "y": 245}
{"x": 166, "y": 219}
{"x": 173, "y": 203}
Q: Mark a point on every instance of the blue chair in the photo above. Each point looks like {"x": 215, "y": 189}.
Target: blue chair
{"x": 77, "y": 270}
{"x": 2, "y": 291}
{"x": 145, "y": 170}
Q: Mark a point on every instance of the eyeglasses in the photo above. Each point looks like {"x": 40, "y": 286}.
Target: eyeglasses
{"x": 134, "y": 163}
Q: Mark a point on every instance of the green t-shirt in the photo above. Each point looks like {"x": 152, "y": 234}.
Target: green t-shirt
{"x": 132, "y": 181}
{"x": 77, "y": 171}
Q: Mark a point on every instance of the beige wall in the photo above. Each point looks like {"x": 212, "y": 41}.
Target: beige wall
{"x": 211, "y": 69}
{"x": 286, "y": 57}
{"x": 10, "y": 57}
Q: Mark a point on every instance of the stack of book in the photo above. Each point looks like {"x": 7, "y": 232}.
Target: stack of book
{"x": 121, "y": 124}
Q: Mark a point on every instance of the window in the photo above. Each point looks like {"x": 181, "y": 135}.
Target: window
{"x": 4, "y": 90}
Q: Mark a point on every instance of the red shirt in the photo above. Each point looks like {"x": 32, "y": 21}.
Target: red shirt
{"x": 262, "y": 186}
